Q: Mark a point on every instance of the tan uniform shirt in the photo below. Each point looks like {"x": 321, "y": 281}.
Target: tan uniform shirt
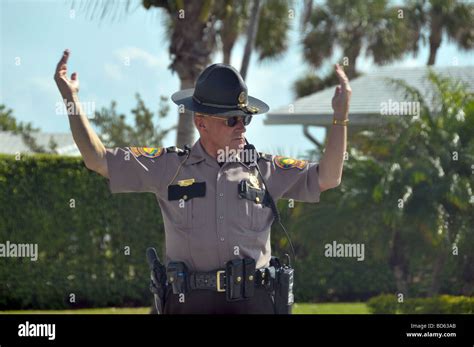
{"x": 205, "y": 232}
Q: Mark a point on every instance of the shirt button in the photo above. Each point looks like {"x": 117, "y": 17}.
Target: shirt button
{"x": 222, "y": 239}
{"x": 221, "y": 194}
{"x": 221, "y": 217}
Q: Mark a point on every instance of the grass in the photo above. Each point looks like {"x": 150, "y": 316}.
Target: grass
{"x": 332, "y": 308}
{"x": 303, "y": 308}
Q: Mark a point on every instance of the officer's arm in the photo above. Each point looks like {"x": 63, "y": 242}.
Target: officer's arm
{"x": 92, "y": 149}
{"x": 331, "y": 163}
{"x": 89, "y": 144}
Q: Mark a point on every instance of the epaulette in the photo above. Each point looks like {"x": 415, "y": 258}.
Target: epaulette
{"x": 265, "y": 156}
{"x": 178, "y": 151}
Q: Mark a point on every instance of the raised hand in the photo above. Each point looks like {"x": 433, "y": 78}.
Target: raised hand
{"x": 342, "y": 95}
{"x": 67, "y": 87}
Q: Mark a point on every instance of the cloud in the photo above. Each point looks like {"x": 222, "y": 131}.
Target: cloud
{"x": 44, "y": 85}
{"x": 131, "y": 54}
{"x": 113, "y": 71}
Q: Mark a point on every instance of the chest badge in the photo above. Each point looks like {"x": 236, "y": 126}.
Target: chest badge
{"x": 254, "y": 182}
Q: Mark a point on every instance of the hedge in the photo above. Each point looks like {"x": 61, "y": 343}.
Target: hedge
{"x": 443, "y": 304}
{"x": 82, "y": 248}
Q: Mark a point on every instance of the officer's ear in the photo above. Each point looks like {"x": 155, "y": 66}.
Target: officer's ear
{"x": 199, "y": 121}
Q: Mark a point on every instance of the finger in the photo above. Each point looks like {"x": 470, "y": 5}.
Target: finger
{"x": 338, "y": 90}
{"x": 64, "y": 59}
{"x": 341, "y": 75}
{"x": 62, "y": 71}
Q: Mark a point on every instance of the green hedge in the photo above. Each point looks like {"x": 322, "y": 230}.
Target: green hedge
{"x": 443, "y": 304}
{"x": 82, "y": 249}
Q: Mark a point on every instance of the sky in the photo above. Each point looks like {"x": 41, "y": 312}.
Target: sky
{"x": 34, "y": 34}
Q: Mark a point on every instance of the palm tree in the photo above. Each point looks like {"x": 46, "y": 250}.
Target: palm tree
{"x": 356, "y": 26}
{"x": 251, "y": 37}
{"x": 415, "y": 160}
{"x": 194, "y": 29}
{"x": 442, "y": 17}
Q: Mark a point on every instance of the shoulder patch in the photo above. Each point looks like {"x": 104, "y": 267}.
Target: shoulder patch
{"x": 149, "y": 152}
{"x": 289, "y": 163}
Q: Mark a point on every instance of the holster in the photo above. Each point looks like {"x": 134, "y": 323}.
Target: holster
{"x": 177, "y": 274}
{"x": 157, "y": 279}
{"x": 283, "y": 291}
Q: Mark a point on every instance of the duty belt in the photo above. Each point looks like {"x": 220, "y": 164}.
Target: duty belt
{"x": 238, "y": 280}
{"x": 216, "y": 280}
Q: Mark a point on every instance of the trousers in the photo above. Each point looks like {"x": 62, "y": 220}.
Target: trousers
{"x": 212, "y": 302}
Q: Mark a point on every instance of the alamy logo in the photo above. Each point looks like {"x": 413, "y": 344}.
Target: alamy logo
{"x": 345, "y": 250}
{"x": 37, "y": 330}
{"x": 19, "y": 250}
{"x": 228, "y": 155}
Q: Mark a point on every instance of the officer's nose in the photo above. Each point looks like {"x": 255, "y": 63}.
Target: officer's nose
{"x": 240, "y": 125}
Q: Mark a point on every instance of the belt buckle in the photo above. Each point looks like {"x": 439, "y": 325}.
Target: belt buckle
{"x": 219, "y": 273}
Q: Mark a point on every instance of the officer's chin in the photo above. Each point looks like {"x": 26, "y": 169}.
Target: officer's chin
{"x": 237, "y": 144}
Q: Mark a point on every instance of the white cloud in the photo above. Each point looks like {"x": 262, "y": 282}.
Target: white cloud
{"x": 131, "y": 54}
{"x": 113, "y": 71}
{"x": 44, "y": 85}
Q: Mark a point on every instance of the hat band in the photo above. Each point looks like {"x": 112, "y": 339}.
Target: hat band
{"x": 216, "y": 105}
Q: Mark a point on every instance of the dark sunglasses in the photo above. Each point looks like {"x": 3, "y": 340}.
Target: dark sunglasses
{"x": 232, "y": 121}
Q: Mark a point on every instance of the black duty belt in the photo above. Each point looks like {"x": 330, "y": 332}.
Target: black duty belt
{"x": 216, "y": 280}
{"x": 238, "y": 280}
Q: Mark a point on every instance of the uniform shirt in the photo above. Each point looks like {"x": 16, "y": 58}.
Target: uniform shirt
{"x": 205, "y": 232}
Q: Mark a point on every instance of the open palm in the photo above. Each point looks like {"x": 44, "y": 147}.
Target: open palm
{"x": 342, "y": 94}
{"x": 67, "y": 87}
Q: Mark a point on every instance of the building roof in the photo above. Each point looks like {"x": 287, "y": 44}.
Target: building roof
{"x": 11, "y": 143}
{"x": 369, "y": 91}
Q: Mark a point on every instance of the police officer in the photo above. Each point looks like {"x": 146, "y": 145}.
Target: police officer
{"x": 216, "y": 202}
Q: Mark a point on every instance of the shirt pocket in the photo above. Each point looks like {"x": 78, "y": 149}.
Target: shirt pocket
{"x": 260, "y": 217}
{"x": 245, "y": 212}
{"x": 253, "y": 216}
{"x": 200, "y": 213}
{"x": 182, "y": 212}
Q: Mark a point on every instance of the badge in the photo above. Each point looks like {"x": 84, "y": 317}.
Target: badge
{"x": 149, "y": 152}
{"x": 254, "y": 182}
{"x": 185, "y": 183}
{"x": 289, "y": 163}
{"x": 243, "y": 98}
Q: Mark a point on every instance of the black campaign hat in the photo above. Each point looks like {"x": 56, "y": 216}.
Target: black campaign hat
{"x": 220, "y": 90}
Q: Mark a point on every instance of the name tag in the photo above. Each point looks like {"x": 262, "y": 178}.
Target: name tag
{"x": 186, "y": 192}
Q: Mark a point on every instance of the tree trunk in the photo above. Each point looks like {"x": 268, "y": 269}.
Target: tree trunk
{"x": 251, "y": 37}
{"x": 436, "y": 275}
{"x": 351, "y": 53}
{"x": 398, "y": 263}
{"x": 185, "y": 135}
{"x": 192, "y": 42}
{"x": 227, "y": 51}
{"x": 435, "y": 38}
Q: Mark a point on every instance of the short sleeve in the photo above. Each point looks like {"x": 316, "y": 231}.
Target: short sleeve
{"x": 135, "y": 169}
{"x": 294, "y": 179}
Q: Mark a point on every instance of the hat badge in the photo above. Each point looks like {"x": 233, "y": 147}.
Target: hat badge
{"x": 242, "y": 98}
{"x": 243, "y": 104}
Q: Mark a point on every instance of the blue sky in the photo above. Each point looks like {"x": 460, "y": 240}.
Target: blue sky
{"x": 34, "y": 33}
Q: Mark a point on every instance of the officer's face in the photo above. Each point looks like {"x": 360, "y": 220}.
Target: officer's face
{"x": 216, "y": 131}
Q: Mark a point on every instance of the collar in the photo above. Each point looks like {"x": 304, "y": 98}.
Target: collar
{"x": 198, "y": 154}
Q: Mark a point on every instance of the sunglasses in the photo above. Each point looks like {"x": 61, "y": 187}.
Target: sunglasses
{"x": 232, "y": 121}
